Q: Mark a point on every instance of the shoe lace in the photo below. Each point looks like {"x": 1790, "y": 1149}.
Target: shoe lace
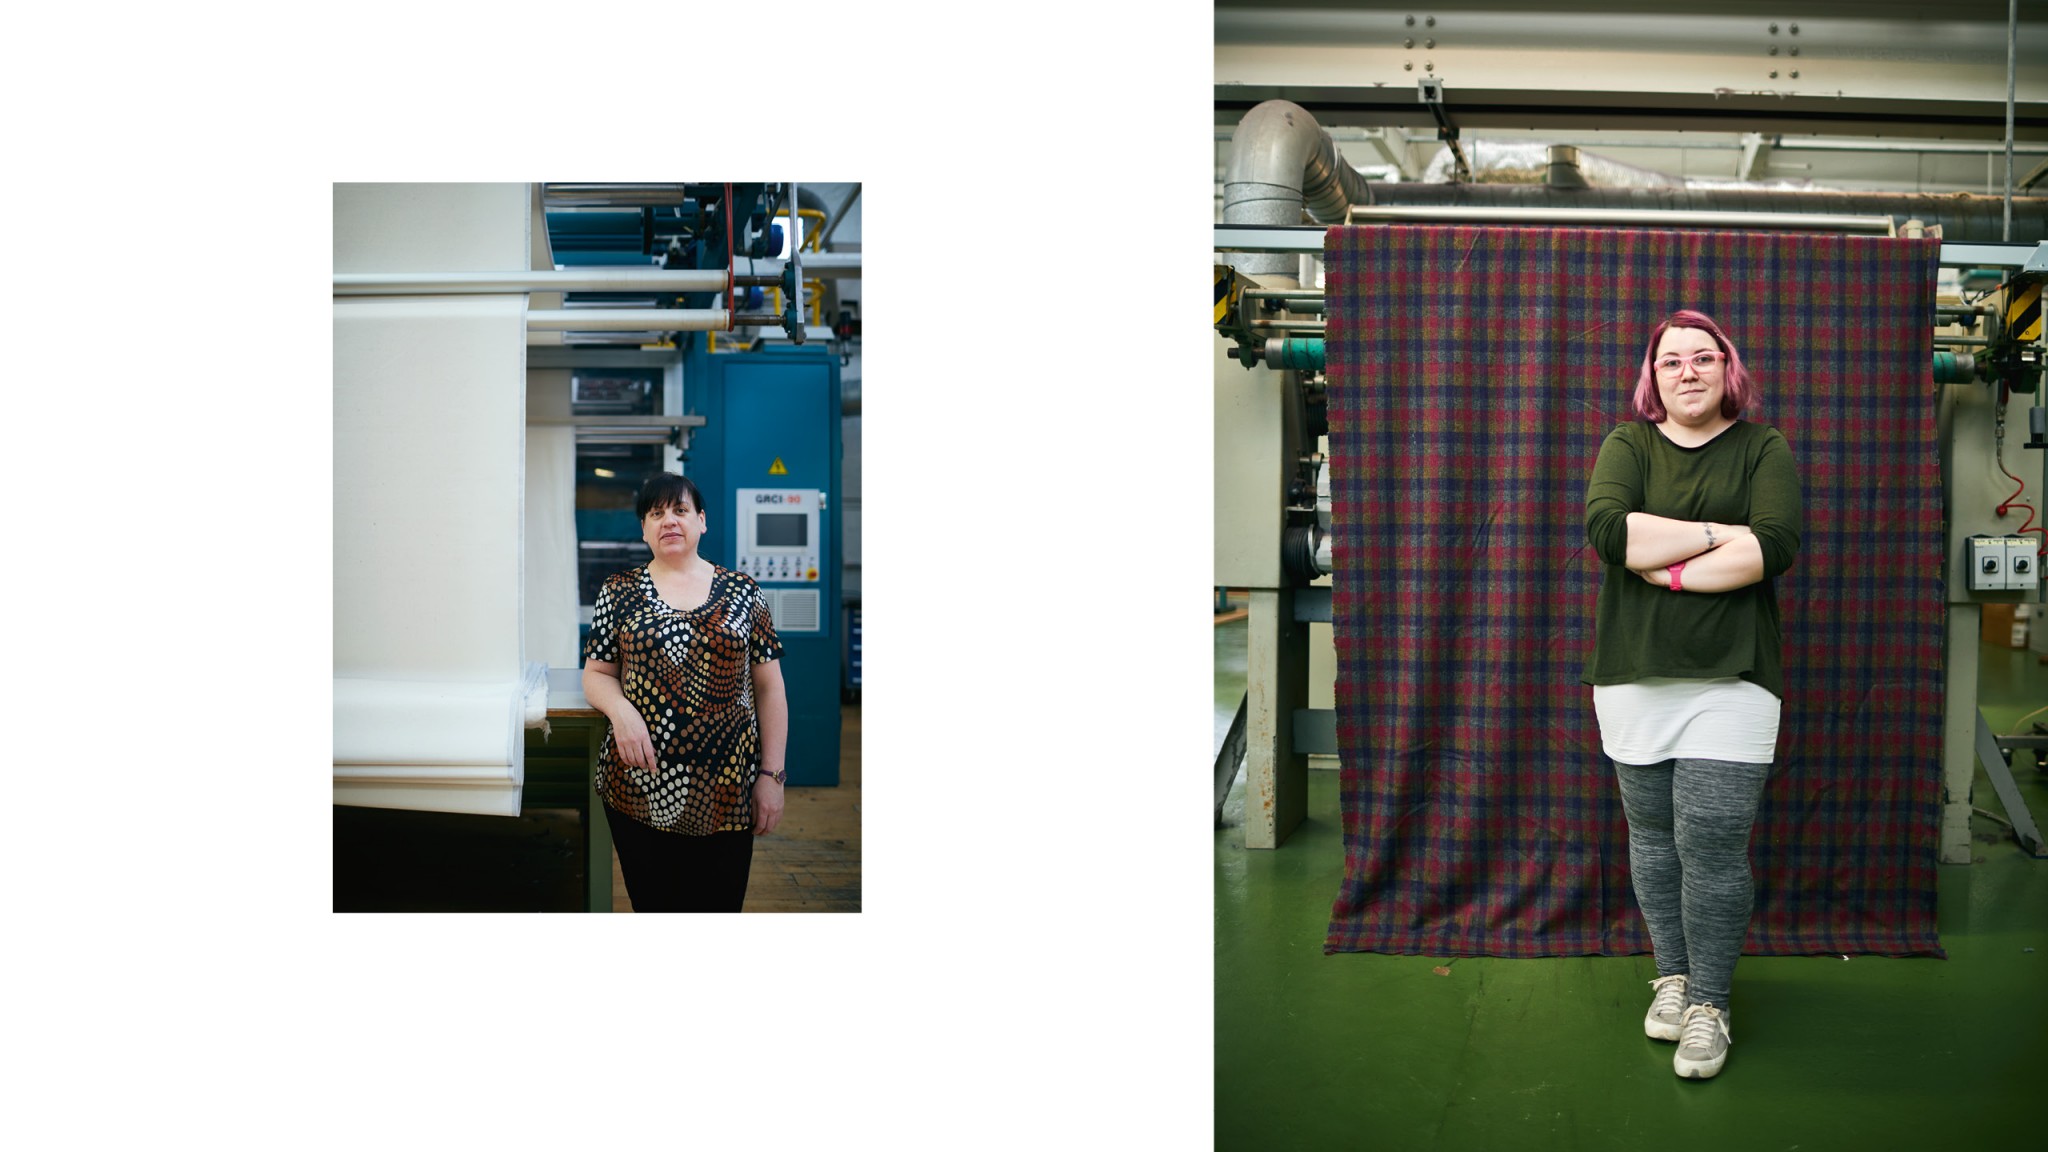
{"x": 1702, "y": 1023}
{"x": 1670, "y": 996}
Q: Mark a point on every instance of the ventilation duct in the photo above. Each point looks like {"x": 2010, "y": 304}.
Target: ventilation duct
{"x": 1564, "y": 168}
{"x": 1282, "y": 163}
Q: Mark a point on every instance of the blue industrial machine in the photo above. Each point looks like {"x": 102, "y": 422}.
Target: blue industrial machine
{"x": 767, "y": 457}
{"x": 767, "y": 461}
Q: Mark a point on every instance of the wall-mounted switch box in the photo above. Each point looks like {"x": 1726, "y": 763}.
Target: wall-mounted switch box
{"x": 1987, "y": 563}
{"x": 2022, "y": 564}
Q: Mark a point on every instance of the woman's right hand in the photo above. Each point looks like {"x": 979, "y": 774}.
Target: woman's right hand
{"x": 635, "y": 748}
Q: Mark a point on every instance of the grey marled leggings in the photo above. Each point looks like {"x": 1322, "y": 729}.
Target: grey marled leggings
{"x": 1688, "y": 851}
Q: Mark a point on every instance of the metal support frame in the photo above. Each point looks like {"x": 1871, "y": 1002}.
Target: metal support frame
{"x": 1230, "y": 756}
{"x": 1992, "y": 752}
{"x": 1431, "y": 93}
{"x": 1276, "y": 772}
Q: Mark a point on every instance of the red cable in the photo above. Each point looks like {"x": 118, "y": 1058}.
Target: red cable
{"x": 2015, "y": 501}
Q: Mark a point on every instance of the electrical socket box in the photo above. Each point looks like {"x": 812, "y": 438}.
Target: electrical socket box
{"x": 1987, "y": 564}
{"x": 2022, "y": 564}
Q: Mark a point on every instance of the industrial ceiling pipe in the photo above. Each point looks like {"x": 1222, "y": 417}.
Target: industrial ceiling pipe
{"x": 1282, "y": 163}
{"x": 1564, "y": 168}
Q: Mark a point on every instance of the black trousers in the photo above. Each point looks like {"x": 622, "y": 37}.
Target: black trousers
{"x": 670, "y": 872}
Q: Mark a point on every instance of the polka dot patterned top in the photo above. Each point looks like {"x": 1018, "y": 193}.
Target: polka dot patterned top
{"x": 690, "y": 674}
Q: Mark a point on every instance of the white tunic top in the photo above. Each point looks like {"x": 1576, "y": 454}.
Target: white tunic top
{"x": 1656, "y": 719}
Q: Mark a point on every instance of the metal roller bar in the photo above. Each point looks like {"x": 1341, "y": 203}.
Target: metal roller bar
{"x": 624, "y": 339}
{"x": 815, "y": 266}
{"x": 628, "y": 423}
{"x": 1309, "y": 239}
{"x": 615, "y": 195}
{"x": 494, "y": 283}
{"x": 628, "y": 319}
{"x": 1817, "y": 144}
{"x": 1294, "y": 299}
{"x": 1463, "y": 214}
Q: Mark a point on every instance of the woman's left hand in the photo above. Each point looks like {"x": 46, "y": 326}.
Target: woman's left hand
{"x": 768, "y": 803}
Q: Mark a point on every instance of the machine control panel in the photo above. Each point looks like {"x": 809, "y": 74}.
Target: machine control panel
{"x": 2004, "y": 563}
{"x": 778, "y": 535}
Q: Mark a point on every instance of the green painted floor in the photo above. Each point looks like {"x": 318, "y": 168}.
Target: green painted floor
{"x": 1366, "y": 1051}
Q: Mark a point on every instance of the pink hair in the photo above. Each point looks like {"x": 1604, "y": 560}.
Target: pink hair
{"x": 1738, "y": 391}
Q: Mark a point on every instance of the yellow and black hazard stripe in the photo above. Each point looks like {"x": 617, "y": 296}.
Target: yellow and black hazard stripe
{"x": 2023, "y": 312}
{"x": 1226, "y": 292}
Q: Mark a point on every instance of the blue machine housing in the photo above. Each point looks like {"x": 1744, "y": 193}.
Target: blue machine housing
{"x": 778, "y": 404}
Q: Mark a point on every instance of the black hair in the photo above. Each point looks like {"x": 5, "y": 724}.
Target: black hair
{"x": 665, "y": 488}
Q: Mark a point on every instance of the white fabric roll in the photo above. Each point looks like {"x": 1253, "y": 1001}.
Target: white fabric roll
{"x": 551, "y": 593}
{"x": 431, "y": 686}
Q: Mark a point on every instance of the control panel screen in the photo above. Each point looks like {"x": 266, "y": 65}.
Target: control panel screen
{"x": 780, "y": 534}
{"x": 781, "y": 530}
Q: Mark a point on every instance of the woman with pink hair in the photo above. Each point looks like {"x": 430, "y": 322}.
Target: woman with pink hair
{"x": 1694, "y": 511}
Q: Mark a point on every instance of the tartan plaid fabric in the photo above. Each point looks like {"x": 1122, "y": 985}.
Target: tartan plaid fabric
{"x": 1472, "y": 375}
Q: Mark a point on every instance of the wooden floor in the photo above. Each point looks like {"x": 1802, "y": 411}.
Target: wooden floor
{"x": 812, "y": 861}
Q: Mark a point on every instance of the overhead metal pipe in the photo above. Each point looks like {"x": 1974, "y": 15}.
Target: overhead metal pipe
{"x": 654, "y": 280}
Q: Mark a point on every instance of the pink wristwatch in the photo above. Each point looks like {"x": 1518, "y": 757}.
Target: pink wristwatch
{"x": 1676, "y": 584}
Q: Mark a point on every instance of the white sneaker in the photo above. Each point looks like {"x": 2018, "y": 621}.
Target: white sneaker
{"x": 1667, "y": 1011}
{"x": 1704, "y": 1046}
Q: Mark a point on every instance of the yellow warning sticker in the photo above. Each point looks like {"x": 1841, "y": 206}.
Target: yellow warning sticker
{"x": 776, "y": 469}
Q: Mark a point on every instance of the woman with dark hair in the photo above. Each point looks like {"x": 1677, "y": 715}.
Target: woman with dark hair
{"x": 682, "y": 657}
{"x": 1694, "y": 510}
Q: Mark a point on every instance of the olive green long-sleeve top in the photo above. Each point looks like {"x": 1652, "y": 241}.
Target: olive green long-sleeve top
{"x": 1743, "y": 476}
